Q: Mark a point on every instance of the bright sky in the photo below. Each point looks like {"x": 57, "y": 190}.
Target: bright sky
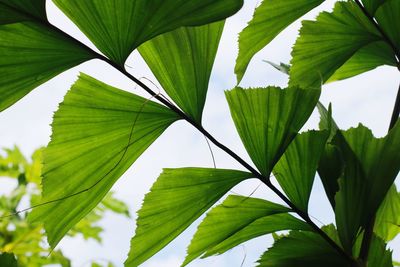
{"x": 367, "y": 98}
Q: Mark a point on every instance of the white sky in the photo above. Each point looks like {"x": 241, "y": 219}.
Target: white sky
{"x": 367, "y": 98}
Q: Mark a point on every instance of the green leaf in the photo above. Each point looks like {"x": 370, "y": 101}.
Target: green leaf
{"x": 8, "y": 260}
{"x": 177, "y": 199}
{"x": 98, "y": 132}
{"x": 31, "y": 54}
{"x": 301, "y": 249}
{"x": 237, "y": 220}
{"x": 267, "y": 120}
{"x": 378, "y": 255}
{"x": 22, "y": 10}
{"x": 329, "y": 42}
{"x": 182, "y": 61}
{"x": 387, "y": 224}
{"x": 296, "y": 169}
{"x": 326, "y": 121}
{"x": 270, "y": 18}
{"x": 371, "y": 166}
{"x": 388, "y": 18}
{"x": 117, "y": 27}
{"x": 367, "y": 58}
{"x": 372, "y": 5}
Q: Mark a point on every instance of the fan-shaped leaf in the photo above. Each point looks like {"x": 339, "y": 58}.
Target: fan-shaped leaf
{"x": 182, "y": 61}
{"x": 296, "y": 169}
{"x": 267, "y": 120}
{"x": 237, "y": 220}
{"x": 176, "y": 200}
{"x": 98, "y": 132}
{"x": 371, "y": 165}
{"x": 269, "y": 19}
{"x": 329, "y": 42}
{"x": 301, "y": 249}
{"x": 31, "y": 54}
{"x": 117, "y": 27}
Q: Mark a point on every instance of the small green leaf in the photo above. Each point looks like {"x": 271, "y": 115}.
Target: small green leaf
{"x": 371, "y": 166}
{"x": 270, "y": 18}
{"x": 237, "y": 220}
{"x": 301, "y": 249}
{"x": 267, "y": 120}
{"x": 296, "y": 169}
{"x": 387, "y": 224}
{"x": 117, "y": 27}
{"x": 175, "y": 201}
{"x": 282, "y": 67}
{"x": 115, "y": 205}
{"x": 182, "y": 61}
{"x": 98, "y": 132}
{"x": 329, "y": 42}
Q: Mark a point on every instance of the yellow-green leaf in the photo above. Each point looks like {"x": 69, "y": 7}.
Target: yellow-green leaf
{"x": 98, "y": 132}
{"x": 267, "y": 120}
{"x": 117, "y": 27}
{"x": 175, "y": 201}
{"x": 182, "y": 61}
{"x": 270, "y": 18}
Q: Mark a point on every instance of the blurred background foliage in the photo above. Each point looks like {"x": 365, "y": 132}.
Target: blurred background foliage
{"x": 24, "y": 244}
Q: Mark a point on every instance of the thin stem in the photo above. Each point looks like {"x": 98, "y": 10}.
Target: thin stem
{"x": 396, "y": 110}
{"x": 200, "y": 128}
{"x": 369, "y": 228}
{"x": 381, "y": 31}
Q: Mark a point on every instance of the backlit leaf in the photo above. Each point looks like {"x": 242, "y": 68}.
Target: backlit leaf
{"x": 175, "y": 201}
{"x": 270, "y": 18}
{"x": 237, "y": 220}
{"x": 22, "y": 10}
{"x": 296, "y": 169}
{"x": 387, "y": 224}
{"x": 31, "y": 54}
{"x": 182, "y": 61}
{"x": 117, "y": 27}
{"x": 329, "y": 42}
{"x": 267, "y": 120}
{"x": 371, "y": 165}
{"x": 367, "y": 58}
{"x": 98, "y": 132}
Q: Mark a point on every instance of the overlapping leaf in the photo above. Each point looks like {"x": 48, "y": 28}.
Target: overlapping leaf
{"x": 237, "y": 220}
{"x": 270, "y": 18}
{"x": 387, "y": 224}
{"x": 22, "y": 10}
{"x": 388, "y": 18}
{"x": 178, "y": 198}
{"x": 372, "y": 5}
{"x": 117, "y": 27}
{"x": 296, "y": 169}
{"x": 367, "y": 58}
{"x": 371, "y": 165}
{"x": 267, "y": 120}
{"x": 329, "y": 42}
{"x": 31, "y": 53}
{"x": 182, "y": 61}
{"x": 302, "y": 249}
{"x": 98, "y": 132}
